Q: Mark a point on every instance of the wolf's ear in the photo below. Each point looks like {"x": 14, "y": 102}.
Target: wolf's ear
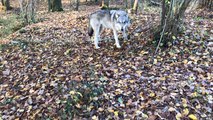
{"x": 113, "y": 14}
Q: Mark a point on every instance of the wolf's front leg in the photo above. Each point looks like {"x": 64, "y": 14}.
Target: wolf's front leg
{"x": 116, "y": 39}
{"x": 96, "y": 39}
{"x": 124, "y": 35}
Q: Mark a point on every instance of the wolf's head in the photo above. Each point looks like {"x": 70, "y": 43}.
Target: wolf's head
{"x": 121, "y": 19}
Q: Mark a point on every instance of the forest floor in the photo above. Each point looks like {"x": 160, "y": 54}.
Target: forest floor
{"x": 50, "y": 70}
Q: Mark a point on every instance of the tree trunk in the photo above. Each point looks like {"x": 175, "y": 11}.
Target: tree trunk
{"x": 32, "y": 11}
{"x": 21, "y": 5}
{"x": 132, "y": 3}
{"x": 28, "y": 10}
{"x": 135, "y": 6}
{"x": 171, "y": 20}
{"x": 126, "y": 4}
{"x": 77, "y": 5}
{"x": 54, "y": 5}
{"x": 141, "y": 5}
{"x": 2, "y": 2}
{"x": 206, "y": 3}
{"x": 6, "y": 3}
{"x": 163, "y": 14}
{"x": 49, "y": 5}
{"x": 105, "y": 3}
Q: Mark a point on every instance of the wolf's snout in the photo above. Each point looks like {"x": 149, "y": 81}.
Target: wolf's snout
{"x": 122, "y": 29}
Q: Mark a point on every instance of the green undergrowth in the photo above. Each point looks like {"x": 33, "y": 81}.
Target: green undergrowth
{"x": 10, "y": 24}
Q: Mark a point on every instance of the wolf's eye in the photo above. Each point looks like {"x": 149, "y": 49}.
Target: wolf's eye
{"x": 124, "y": 22}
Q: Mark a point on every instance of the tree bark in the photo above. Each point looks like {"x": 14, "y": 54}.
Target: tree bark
{"x": 49, "y": 5}
{"x": 132, "y": 3}
{"x": 2, "y": 2}
{"x": 6, "y": 3}
{"x": 126, "y": 4}
{"x": 32, "y": 11}
{"x": 77, "y": 5}
{"x": 206, "y": 3}
{"x": 105, "y": 3}
{"x": 163, "y": 14}
{"x": 28, "y": 10}
{"x": 54, "y": 5}
{"x": 135, "y": 6}
{"x": 21, "y": 5}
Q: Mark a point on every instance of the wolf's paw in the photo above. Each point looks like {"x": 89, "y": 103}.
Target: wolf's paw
{"x": 97, "y": 47}
{"x": 118, "y": 46}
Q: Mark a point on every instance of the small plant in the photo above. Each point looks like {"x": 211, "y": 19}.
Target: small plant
{"x": 198, "y": 18}
{"x": 83, "y": 96}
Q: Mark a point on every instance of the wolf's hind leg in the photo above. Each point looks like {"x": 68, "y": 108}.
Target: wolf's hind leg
{"x": 99, "y": 34}
{"x": 96, "y": 37}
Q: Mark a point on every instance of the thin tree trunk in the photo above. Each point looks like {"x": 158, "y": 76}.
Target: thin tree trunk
{"x": 77, "y": 5}
{"x": 126, "y": 4}
{"x": 163, "y": 14}
{"x": 135, "y": 6}
{"x": 6, "y": 3}
{"x": 54, "y": 5}
{"x": 132, "y": 3}
{"x": 21, "y": 5}
{"x": 105, "y": 4}
{"x": 2, "y": 2}
{"x": 141, "y": 5}
{"x": 32, "y": 11}
{"x": 49, "y": 5}
{"x": 28, "y": 10}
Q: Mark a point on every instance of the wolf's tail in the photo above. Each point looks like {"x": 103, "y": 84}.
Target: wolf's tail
{"x": 90, "y": 30}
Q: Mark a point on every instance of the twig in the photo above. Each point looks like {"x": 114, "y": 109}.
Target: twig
{"x": 161, "y": 37}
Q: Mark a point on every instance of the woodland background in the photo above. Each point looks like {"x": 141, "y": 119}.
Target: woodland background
{"x": 49, "y": 68}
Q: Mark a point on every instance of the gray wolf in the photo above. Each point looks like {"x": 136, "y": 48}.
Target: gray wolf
{"x": 117, "y": 20}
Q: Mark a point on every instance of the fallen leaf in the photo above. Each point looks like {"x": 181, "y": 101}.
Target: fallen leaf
{"x": 192, "y": 117}
{"x": 116, "y": 113}
{"x": 185, "y": 112}
{"x": 178, "y": 116}
{"x": 6, "y": 72}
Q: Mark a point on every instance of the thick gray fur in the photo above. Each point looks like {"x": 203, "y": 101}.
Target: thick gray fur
{"x": 117, "y": 20}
